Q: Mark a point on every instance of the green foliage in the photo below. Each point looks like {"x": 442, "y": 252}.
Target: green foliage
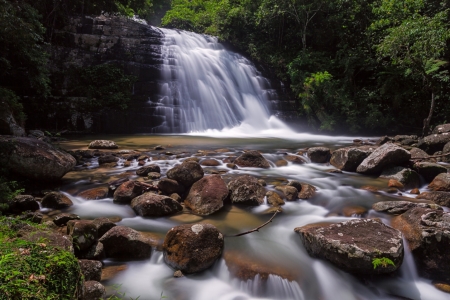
{"x": 9, "y": 101}
{"x": 382, "y": 262}
{"x": 35, "y": 270}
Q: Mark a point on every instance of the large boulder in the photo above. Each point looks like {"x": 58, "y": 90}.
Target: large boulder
{"x": 91, "y": 269}
{"x": 434, "y": 142}
{"x": 440, "y": 198}
{"x": 206, "y": 196}
{"x": 126, "y": 243}
{"x": 399, "y": 207}
{"x": 186, "y": 174}
{"x": 441, "y": 183}
{"x": 356, "y": 245}
{"x": 441, "y": 129}
{"x": 429, "y": 170}
{"x": 246, "y": 190}
{"x": 34, "y": 159}
{"x": 153, "y": 205}
{"x": 409, "y": 178}
{"x": 385, "y": 156}
{"x": 319, "y": 154}
{"x": 348, "y": 159}
{"x": 427, "y": 232}
{"x": 56, "y": 200}
{"x": 103, "y": 144}
{"x": 417, "y": 153}
{"x": 252, "y": 159}
{"x": 127, "y": 191}
{"x": 192, "y": 248}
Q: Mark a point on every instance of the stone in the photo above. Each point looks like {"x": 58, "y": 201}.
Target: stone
{"x": 106, "y": 159}
{"x": 441, "y": 128}
{"x": 246, "y": 190}
{"x": 385, "y": 156}
{"x": 395, "y": 183}
{"x": 22, "y": 203}
{"x": 319, "y": 154}
{"x": 440, "y": 198}
{"x": 348, "y": 159}
{"x": 56, "y": 200}
{"x": 63, "y": 218}
{"x": 210, "y": 162}
{"x": 296, "y": 184}
{"x": 429, "y": 170}
{"x": 144, "y": 171}
{"x": 427, "y": 232}
{"x": 170, "y": 186}
{"x": 51, "y": 238}
{"x": 446, "y": 150}
{"x": 354, "y": 245}
{"x": 307, "y": 192}
{"x": 175, "y": 197}
{"x": 186, "y": 174}
{"x": 409, "y": 178}
{"x": 95, "y": 193}
{"x": 83, "y": 232}
{"x": 127, "y": 191}
{"x": 34, "y": 159}
{"x": 125, "y": 243}
{"x": 370, "y": 188}
{"x": 153, "y": 205}
{"x": 93, "y": 290}
{"x": 206, "y": 196}
{"x": 434, "y": 142}
{"x": 354, "y": 211}
{"x": 91, "y": 269}
{"x": 415, "y": 191}
{"x": 444, "y": 287}
{"x": 154, "y": 175}
{"x": 274, "y": 199}
{"x": 102, "y": 144}
{"x": 192, "y": 248}
{"x": 417, "y": 153}
{"x": 383, "y": 140}
{"x": 295, "y": 159}
{"x": 95, "y": 252}
{"x": 281, "y": 163}
{"x": 103, "y": 225}
{"x": 252, "y": 159}
{"x": 289, "y": 192}
{"x": 399, "y": 207}
{"x": 440, "y": 183}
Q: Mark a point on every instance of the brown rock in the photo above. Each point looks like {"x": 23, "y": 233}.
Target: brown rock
{"x": 210, "y": 162}
{"x": 125, "y": 243}
{"x": 186, "y": 174}
{"x": 396, "y": 184}
{"x": 95, "y": 193}
{"x": 415, "y": 191}
{"x": 170, "y": 186}
{"x": 289, "y": 192}
{"x": 128, "y": 191}
{"x": 319, "y": 154}
{"x": 206, "y": 196}
{"x": 148, "y": 169}
{"x": 295, "y": 159}
{"x": 246, "y": 190}
{"x": 83, "y": 232}
{"x": 440, "y": 198}
{"x": 252, "y": 159}
{"x": 441, "y": 183}
{"x": 307, "y": 192}
{"x": 352, "y": 211}
{"x": 349, "y": 158}
{"x": 274, "y": 199}
{"x": 281, "y": 163}
{"x": 385, "y": 156}
{"x": 56, "y": 200}
{"x": 153, "y": 205}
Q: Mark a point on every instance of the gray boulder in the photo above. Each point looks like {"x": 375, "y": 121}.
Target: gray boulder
{"x": 434, "y": 142}
{"x": 409, "y": 178}
{"x": 348, "y": 159}
{"x": 246, "y": 190}
{"x": 206, "y": 196}
{"x": 385, "y": 156}
{"x": 93, "y": 290}
{"x": 91, "y": 269}
{"x": 429, "y": 170}
{"x": 399, "y": 207}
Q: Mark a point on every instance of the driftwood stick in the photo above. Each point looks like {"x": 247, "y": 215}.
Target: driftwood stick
{"x": 257, "y": 228}
{"x": 436, "y": 156}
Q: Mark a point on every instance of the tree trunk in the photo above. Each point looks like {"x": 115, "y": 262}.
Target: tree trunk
{"x": 426, "y": 122}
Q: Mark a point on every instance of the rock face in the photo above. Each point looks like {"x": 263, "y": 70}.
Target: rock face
{"x": 126, "y": 243}
{"x": 428, "y": 234}
{"x": 440, "y": 198}
{"x": 385, "y": 156}
{"x": 409, "y": 178}
{"x": 348, "y": 159}
{"x": 56, "y": 200}
{"x": 186, "y": 174}
{"x": 127, "y": 191}
{"x": 354, "y": 245}
{"x": 319, "y": 154}
{"x": 153, "y": 205}
{"x": 34, "y": 159}
{"x": 192, "y": 248}
{"x": 252, "y": 159}
{"x": 207, "y": 195}
{"x": 103, "y": 144}
{"x": 441, "y": 183}
{"x": 399, "y": 207}
{"x": 434, "y": 142}
{"x": 429, "y": 170}
{"x": 246, "y": 190}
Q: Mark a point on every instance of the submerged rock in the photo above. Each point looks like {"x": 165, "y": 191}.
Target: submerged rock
{"x": 399, "y": 207}
{"x": 206, "y": 196}
{"x": 153, "y": 205}
{"x": 355, "y": 245}
{"x": 246, "y": 190}
{"x": 252, "y": 159}
{"x": 387, "y": 155}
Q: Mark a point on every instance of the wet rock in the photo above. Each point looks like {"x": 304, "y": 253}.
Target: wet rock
{"x": 246, "y": 190}
{"x": 63, "y": 218}
{"x": 396, "y": 184}
{"x": 429, "y": 170}
{"x": 22, "y": 203}
{"x": 178, "y": 274}
{"x": 93, "y": 290}
{"x": 153, "y": 205}
{"x": 296, "y": 184}
{"x": 441, "y": 183}
{"x": 289, "y": 192}
{"x": 34, "y": 159}
{"x": 319, "y": 154}
{"x": 56, "y": 200}
{"x": 417, "y": 153}
{"x": 127, "y": 191}
{"x": 440, "y": 198}
{"x": 409, "y": 178}
{"x": 370, "y": 188}
{"x": 231, "y": 166}
{"x": 91, "y": 269}
{"x": 95, "y": 252}
{"x": 209, "y": 162}
{"x": 307, "y": 192}
{"x": 83, "y": 233}
{"x": 252, "y": 159}
{"x": 125, "y": 243}
{"x": 144, "y": 171}
{"x": 186, "y": 174}
{"x": 383, "y": 157}
{"x": 428, "y": 234}
{"x": 281, "y": 163}
{"x": 274, "y": 199}
{"x": 383, "y": 140}
{"x": 95, "y": 193}
{"x": 295, "y": 159}
{"x": 206, "y": 196}
{"x": 435, "y": 142}
{"x": 399, "y": 207}
{"x": 354, "y": 210}
{"x": 415, "y": 191}
{"x": 103, "y": 225}
{"x": 109, "y": 272}
{"x": 175, "y": 197}
{"x": 192, "y": 248}
{"x": 442, "y": 286}
{"x": 103, "y": 144}
{"x": 106, "y": 159}
{"x": 354, "y": 245}
{"x": 348, "y": 159}
{"x": 153, "y": 175}
{"x": 169, "y": 186}
{"x": 446, "y": 150}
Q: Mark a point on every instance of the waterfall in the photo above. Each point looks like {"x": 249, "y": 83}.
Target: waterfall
{"x": 206, "y": 87}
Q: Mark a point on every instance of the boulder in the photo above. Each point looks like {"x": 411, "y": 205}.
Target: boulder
{"x": 154, "y": 175}
{"x": 93, "y": 290}
{"x": 22, "y": 203}
{"x": 396, "y": 184}
{"x": 143, "y": 171}
{"x": 440, "y": 183}
{"x": 252, "y": 159}
{"x": 296, "y": 159}
{"x": 409, "y": 178}
{"x": 446, "y": 150}
{"x": 210, "y": 162}
{"x": 427, "y": 232}
{"x": 289, "y": 192}
{"x": 441, "y": 129}
{"x": 434, "y": 142}
{"x": 417, "y": 153}
{"x": 91, "y": 269}
{"x": 296, "y": 184}
{"x": 106, "y": 159}
{"x": 95, "y": 193}
{"x": 246, "y": 190}
{"x": 355, "y": 245}
{"x": 192, "y": 248}
{"x": 385, "y": 156}
{"x": 56, "y": 200}
{"x": 399, "y": 207}
{"x": 103, "y": 225}
{"x": 51, "y": 238}
{"x": 62, "y": 219}
{"x": 348, "y": 159}
{"x": 95, "y": 252}
{"x": 307, "y": 192}
{"x": 319, "y": 154}
{"x": 186, "y": 174}
{"x": 34, "y": 159}
{"x": 429, "y": 170}
{"x": 170, "y": 186}
{"x": 274, "y": 199}
{"x": 126, "y": 243}
{"x": 83, "y": 232}
{"x": 440, "y": 198}
{"x": 153, "y": 205}
{"x": 103, "y": 144}
{"x": 127, "y": 191}
{"x": 206, "y": 196}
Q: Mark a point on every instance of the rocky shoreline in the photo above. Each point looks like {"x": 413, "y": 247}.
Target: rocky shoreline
{"x": 359, "y": 246}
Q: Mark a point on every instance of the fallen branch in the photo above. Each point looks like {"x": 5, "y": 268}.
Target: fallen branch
{"x": 435, "y": 156}
{"x": 257, "y": 228}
